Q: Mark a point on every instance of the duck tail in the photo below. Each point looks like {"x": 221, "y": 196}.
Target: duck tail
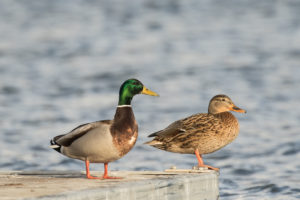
{"x": 149, "y": 142}
{"x": 154, "y": 134}
{"x": 154, "y": 143}
{"x": 54, "y": 145}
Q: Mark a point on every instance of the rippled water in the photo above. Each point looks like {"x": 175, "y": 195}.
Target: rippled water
{"x": 62, "y": 62}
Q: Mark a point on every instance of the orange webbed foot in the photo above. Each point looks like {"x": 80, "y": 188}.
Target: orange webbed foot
{"x": 110, "y": 177}
{"x": 92, "y": 177}
{"x": 209, "y": 167}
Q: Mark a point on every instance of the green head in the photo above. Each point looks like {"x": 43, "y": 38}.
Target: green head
{"x": 130, "y": 88}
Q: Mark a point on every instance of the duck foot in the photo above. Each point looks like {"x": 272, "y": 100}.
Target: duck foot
{"x": 201, "y": 163}
{"x": 92, "y": 177}
{"x": 88, "y": 175}
{"x": 105, "y": 176}
{"x": 209, "y": 167}
{"x": 111, "y": 177}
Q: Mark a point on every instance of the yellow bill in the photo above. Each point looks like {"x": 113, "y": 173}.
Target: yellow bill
{"x": 149, "y": 92}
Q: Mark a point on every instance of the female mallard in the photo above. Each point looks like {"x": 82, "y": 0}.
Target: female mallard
{"x": 201, "y": 133}
{"x": 108, "y": 140}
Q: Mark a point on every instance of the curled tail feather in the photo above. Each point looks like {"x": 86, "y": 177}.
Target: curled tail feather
{"x": 54, "y": 145}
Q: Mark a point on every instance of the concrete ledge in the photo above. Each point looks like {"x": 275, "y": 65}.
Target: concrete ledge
{"x": 146, "y": 185}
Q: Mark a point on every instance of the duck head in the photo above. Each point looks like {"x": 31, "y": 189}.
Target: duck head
{"x": 222, "y": 103}
{"x": 130, "y": 88}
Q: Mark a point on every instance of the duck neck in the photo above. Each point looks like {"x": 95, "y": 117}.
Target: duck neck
{"x": 212, "y": 110}
{"x": 225, "y": 116}
{"x": 125, "y": 96}
{"x": 124, "y": 124}
{"x": 124, "y": 129}
{"x": 124, "y": 116}
{"x": 124, "y": 100}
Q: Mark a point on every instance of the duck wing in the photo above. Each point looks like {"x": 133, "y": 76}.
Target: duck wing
{"x": 69, "y": 138}
{"x": 200, "y": 123}
{"x": 172, "y": 129}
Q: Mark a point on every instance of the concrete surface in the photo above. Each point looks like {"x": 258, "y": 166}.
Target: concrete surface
{"x": 46, "y": 185}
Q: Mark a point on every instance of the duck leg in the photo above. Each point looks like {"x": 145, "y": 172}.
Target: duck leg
{"x": 201, "y": 163}
{"x": 87, "y": 167}
{"x": 105, "y": 176}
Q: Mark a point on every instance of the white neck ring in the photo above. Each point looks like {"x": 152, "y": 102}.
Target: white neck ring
{"x": 123, "y": 106}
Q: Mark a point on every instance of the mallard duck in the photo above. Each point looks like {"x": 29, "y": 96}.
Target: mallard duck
{"x": 107, "y": 140}
{"x": 201, "y": 133}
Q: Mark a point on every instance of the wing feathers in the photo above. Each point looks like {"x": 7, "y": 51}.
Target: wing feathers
{"x": 69, "y": 138}
{"x": 199, "y": 122}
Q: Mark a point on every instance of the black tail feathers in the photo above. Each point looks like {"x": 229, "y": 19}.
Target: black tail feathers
{"x": 55, "y": 146}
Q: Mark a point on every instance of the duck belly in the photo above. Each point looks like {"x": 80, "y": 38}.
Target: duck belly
{"x": 212, "y": 144}
{"x": 205, "y": 145}
{"x": 95, "y": 146}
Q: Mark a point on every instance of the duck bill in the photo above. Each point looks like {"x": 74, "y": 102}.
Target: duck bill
{"x": 149, "y": 92}
{"x": 237, "y": 109}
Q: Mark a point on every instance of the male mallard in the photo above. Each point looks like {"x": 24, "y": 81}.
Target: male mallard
{"x": 108, "y": 140}
{"x": 201, "y": 133}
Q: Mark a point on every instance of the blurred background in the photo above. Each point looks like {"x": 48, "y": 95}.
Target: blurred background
{"x": 62, "y": 63}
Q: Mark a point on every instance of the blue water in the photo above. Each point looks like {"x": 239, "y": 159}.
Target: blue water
{"x": 62, "y": 62}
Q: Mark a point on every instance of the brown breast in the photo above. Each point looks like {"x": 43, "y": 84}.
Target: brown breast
{"x": 124, "y": 130}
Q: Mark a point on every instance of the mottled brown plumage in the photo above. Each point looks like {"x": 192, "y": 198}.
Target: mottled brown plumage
{"x": 203, "y": 133}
